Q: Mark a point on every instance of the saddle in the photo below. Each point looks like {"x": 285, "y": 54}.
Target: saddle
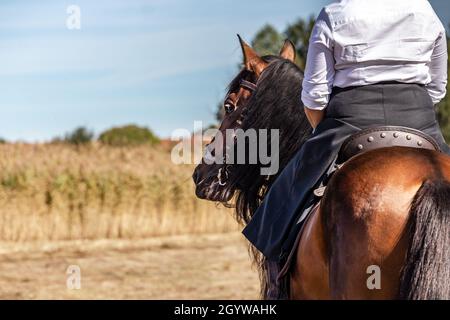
{"x": 383, "y": 137}
{"x": 358, "y": 143}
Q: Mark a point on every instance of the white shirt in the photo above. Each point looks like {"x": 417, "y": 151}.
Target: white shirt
{"x": 362, "y": 42}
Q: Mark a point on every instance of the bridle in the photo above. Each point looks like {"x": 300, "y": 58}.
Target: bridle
{"x": 223, "y": 174}
{"x": 248, "y": 85}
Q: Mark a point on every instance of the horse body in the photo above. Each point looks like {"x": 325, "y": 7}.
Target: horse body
{"x": 387, "y": 209}
{"x": 363, "y": 221}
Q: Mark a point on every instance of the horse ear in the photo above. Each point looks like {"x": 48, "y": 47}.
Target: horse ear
{"x": 252, "y": 62}
{"x": 288, "y": 51}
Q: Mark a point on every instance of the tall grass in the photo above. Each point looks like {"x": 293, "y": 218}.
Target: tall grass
{"x": 59, "y": 192}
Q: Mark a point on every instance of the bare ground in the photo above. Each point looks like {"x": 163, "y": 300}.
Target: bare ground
{"x": 213, "y": 266}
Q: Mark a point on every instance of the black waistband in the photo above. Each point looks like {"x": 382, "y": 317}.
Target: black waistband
{"x": 339, "y": 89}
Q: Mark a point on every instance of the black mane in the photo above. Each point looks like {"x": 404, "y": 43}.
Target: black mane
{"x": 276, "y": 104}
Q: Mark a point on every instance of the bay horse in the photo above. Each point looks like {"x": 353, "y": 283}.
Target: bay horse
{"x": 388, "y": 207}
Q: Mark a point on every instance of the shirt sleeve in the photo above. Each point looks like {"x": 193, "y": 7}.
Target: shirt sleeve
{"x": 438, "y": 69}
{"x": 319, "y": 70}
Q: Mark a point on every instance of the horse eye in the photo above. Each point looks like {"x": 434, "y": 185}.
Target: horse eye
{"x": 229, "y": 108}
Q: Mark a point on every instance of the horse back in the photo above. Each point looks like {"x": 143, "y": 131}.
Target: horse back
{"x": 361, "y": 224}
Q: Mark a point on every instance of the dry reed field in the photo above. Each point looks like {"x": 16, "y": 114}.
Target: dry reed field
{"x": 62, "y": 192}
{"x": 127, "y": 217}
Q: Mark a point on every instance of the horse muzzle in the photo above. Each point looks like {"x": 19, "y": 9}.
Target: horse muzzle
{"x": 211, "y": 187}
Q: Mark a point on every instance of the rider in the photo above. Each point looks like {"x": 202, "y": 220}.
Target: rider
{"x": 370, "y": 63}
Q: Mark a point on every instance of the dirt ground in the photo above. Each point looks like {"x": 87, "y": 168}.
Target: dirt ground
{"x": 183, "y": 267}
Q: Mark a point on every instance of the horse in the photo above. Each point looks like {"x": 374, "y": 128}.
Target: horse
{"x": 388, "y": 207}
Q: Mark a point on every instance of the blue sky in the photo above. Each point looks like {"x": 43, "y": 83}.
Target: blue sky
{"x": 158, "y": 63}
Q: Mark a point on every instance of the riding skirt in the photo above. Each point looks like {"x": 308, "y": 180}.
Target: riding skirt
{"x": 276, "y": 222}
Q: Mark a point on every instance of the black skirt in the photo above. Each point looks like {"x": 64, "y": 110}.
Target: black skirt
{"x": 397, "y": 104}
{"x": 275, "y": 224}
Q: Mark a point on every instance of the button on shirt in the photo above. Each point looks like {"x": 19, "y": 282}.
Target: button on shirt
{"x": 362, "y": 42}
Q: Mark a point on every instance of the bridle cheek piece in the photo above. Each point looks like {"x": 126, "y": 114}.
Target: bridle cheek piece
{"x": 223, "y": 174}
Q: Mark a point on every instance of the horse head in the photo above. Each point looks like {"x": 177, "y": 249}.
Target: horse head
{"x": 264, "y": 95}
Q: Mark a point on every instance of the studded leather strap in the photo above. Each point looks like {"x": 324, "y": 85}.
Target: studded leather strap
{"x": 382, "y": 137}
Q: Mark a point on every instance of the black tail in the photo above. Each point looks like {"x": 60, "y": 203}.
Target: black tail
{"x": 426, "y": 274}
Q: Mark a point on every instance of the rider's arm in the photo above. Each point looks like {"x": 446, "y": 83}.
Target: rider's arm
{"x": 314, "y": 116}
{"x": 438, "y": 69}
{"x": 319, "y": 70}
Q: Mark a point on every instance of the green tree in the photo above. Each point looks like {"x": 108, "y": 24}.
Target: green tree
{"x": 79, "y": 136}
{"x": 129, "y": 135}
{"x": 299, "y": 33}
{"x": 267, "y": 41}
